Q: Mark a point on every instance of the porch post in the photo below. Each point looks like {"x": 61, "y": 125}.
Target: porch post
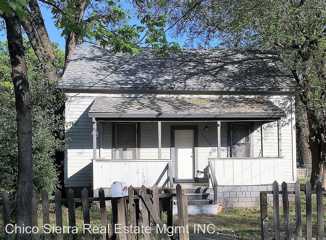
{"x": 159, "y": 140}
{"x": 94, "y": 133}
{"x": 262, "y": 139}
{"x": 279, "y": 138}
{"x": 218, "y": 132}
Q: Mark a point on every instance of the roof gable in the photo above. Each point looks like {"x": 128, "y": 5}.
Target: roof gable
{"x": 95, "y": 68}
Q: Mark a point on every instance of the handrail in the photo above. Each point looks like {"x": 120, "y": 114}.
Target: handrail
{"x": 166, "y": 171}
{"x": 213, "y": 179}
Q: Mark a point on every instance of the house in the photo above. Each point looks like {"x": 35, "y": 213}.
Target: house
{"x": 130, "y": 117}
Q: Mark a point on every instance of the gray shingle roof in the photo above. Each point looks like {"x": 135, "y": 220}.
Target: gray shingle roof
{"x": 158, "y": 106}
{"x": 92, "y": 67}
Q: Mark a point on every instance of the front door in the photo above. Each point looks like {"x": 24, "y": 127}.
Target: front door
{"x": 184, "y": 153}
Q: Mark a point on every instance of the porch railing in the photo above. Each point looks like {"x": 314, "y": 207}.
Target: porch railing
{"x": 212, "y": 178}
{"x": 168, "y": 181}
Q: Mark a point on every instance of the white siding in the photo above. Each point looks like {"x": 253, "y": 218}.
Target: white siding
{"x": 78, "y": 169}
{"x": 135, "y": 173}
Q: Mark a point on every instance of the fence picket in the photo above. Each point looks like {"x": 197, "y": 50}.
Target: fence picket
{"x": 85, "y": 204}
{"x": 114, "y": 205}
{"x": 170, "y": 211}
{"x": 276, "y": 212}
{"x": 122, "y": 219}
{"x": 182, "y": 204}
{"x": 156, "y": 201}
{"x": 71, "y": 208}
{"x": 132, "y": 211}
{"x": 308, "y": 212}
{"x": 298, "y": 228}
{"x": 144, "y": 214}
{"x": 6, "y": 212}
{"x": 58, "y": 212}
{"x": 35, "y": 202}
{"x": 285, "y": 199}
{"x": 45, "y": 207}
{"x": 103, "y": 213}
{"x": 320, "y": 211}
{"x": 263, "y": 213}
{"x": 58, "y": 208}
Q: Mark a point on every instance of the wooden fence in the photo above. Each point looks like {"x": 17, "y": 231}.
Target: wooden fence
{"x": 143, "y": 207}
{"x": 287, "y": 230}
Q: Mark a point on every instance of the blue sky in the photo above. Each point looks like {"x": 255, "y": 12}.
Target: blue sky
{"x": 56, "y": 36}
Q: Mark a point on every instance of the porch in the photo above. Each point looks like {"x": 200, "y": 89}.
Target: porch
{"x": 134, "y": 139}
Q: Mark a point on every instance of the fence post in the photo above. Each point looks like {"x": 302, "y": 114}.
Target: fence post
{"x": 182, "y": 203}
{"x": 85, "y": 204}
{"x": 308, "y": 211}
{"x": 6, "y": 212}
{"x": 320, "y": 211}
{"x": 71, "y": 208}
{"x": 263, "y": 213}
{"x": 132, "y": 211}
{"x": 122, "y": 220}
{"x": 58, "y": 211}
{"x": 144, "y": 213}
{"x": 285, "y": 199}
{"x": 103, "y": 213}
{"x": 45, "y": 207}
{"x": 114, "y": 205}
{"x": 298, "y": 220}
{"x": 156, "y": 201}
{"x": 168, "y": 203}
{"x": 58, "y": 208}
{"x": 34, "y": 209}
{"x": 276, "y": 211}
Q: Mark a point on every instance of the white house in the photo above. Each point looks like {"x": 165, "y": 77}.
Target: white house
{"x": 129, "y": 117}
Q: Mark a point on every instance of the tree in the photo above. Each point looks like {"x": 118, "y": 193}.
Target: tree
{"x": 295, "y": 29}
{"x": 24, "y": 122}
{"x": 101, "y": 21}
{"x": 47, "y": 124}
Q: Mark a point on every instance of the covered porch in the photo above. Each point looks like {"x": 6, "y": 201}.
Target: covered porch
{"x": 135, "y": 139}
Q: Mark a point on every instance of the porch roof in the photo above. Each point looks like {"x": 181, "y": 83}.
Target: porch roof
{"x": 180, "y": 107}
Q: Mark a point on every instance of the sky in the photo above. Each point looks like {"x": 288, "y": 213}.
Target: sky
{"x": 55, "y": 33}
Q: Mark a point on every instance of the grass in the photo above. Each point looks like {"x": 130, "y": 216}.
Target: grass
{"x": 241, "y": 222}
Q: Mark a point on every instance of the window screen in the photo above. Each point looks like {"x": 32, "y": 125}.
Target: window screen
{"x": 125, "y": 140}
{"x": 239, "y": 139}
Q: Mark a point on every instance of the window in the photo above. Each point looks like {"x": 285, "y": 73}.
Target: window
{"x": 125, "y": 141}
{"x": 239, "y": 139}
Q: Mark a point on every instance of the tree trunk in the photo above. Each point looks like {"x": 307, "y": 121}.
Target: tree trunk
{"x": 34, "y": 27}
{"x": 302, "y": 129}
{"x": 315, "y": 143}
{"x": 24, "y": 124}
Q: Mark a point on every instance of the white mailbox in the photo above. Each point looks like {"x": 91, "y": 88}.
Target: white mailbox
{"x": 119, "y": 189}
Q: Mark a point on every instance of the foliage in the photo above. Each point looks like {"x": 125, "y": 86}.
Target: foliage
{"x": 47, "y": 124}
{"x": 110, "y": 23}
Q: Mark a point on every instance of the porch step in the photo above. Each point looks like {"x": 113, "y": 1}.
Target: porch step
{"x": 197, "y": 196}
{"x": 200, "y": 202}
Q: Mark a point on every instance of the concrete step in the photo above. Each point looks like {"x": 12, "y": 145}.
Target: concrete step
{"x": 200, "y": 202}
{"x": 197, "y": 196}
{"x": 211, "y": 209}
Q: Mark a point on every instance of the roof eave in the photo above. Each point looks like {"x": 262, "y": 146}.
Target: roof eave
{"x": 252, "y": 91}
